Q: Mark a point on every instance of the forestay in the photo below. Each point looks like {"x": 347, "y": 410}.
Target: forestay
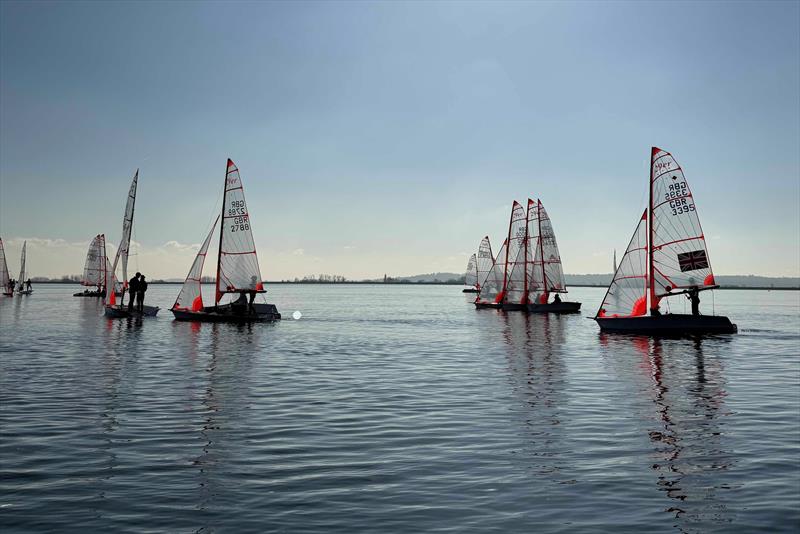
{"x": 238, "y": 264}
{"x": 491, "y": 290}
{"x": 93, "y": 270}
{"x": 5, "y": 278}
{"x": 471, "y": 276}
{"x": 517, "y": 257}
{"x": 485, "y": 261}
{"x": 680, "y": 258}
{"x": 627, "y": 294}
{"x": 191, "y": 296}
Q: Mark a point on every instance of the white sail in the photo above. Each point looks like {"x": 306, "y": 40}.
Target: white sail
{"x": 551, "y": 259}
{"x": 21, "y": 279}
{"x": 93, "y": 269}
{"x": 124, "y": 243}
{"x": 627, "y": 294}
{"x": 110, "y": 284}
{"x": 191, "y": 295}
{"x": 680, "y": 258}
{"x": 471, "y": 276}
{"x": 485, "y": 261}
{"x": 517, "y": 256}
{"x": 5, "y": 278}
{"x": 491, "y": 290}
{"x": 535, "y": 268}
{"x": 238, "y": 263}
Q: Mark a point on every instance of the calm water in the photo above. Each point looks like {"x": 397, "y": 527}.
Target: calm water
{"x": 395, "y": 409}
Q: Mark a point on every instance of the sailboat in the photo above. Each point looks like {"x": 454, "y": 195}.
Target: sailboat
{"x": 471, "y": 277}
{"x": 517, "y": 258}
{"x": 490, "y": 294}
{"x": 544, "y": 274}
{"x": 666, "y": 257}
{"x": 117, "y": 308}
{"x": 94, "y": 268}
{"x": 5, "y": 279}
{"x": 238, "y": 272}
{"x": 21, "y": 280}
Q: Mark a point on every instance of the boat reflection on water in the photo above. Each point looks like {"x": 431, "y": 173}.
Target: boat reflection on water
{"x": 690, "y": 456}
{"x": 537, "y": 374}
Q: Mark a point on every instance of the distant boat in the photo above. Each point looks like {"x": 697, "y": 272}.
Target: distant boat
{"x": 94, "y": 270}
{"x": 666, "y": 256}
{"x": 544, "y": 274}
{"x": 118, "y": 308}
{"x": 471, "y": 276}
{"x": 490, "y": 294}
{"x": 238, "y": 272}
{"x": 5, "y": 279}
{"x": 22, "y": 272}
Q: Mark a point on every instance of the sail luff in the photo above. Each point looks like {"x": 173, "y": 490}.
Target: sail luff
{"x": 651, "y": 270}
{"x": 217, "y": 292}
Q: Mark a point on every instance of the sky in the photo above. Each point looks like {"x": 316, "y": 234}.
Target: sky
{"x": 390, "y": 137}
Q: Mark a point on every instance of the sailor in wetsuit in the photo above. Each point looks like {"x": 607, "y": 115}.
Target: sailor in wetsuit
{"x": 133, "y": 290}
{"x": 694, "y": 297}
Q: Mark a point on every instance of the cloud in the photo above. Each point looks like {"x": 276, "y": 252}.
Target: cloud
{"x": 298, "y": 252}
{"x": 175, "y": 245}
{"x": 349, "y": 247}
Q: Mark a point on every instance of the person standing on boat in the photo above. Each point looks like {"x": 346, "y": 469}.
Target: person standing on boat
{"x": 28, "y": 283}
{"x": 133, "y": 290}
{"x": 694, "y": 297}
{"x": 557, "y": 299}
{"x": 140, "y": 294}
{"x": 253, "y": 286}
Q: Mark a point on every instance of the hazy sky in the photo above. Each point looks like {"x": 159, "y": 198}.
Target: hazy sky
{"x": 391, "y": 137}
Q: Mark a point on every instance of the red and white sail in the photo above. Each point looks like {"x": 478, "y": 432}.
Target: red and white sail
{"x": 238, "y": 263}
{"x": 191, "y": 295}
{"x": 125, "y": 241}
{"x": 5, "y": 278}
{"x": 679, "y": 254}
{"x": 110, "y": 284}
{"x": 471, "y": 276}
{"x": 550, "y": 257}
{"x": 94, "y": 268}
{"x": 491, "y": 290}
{"x": 627, "y": 294}
{"x": 485, "y": 261}
{"x": 517, "y": 256}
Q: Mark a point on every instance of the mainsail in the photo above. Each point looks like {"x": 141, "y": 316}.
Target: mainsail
{"x": 110, "y": 284}
{"x": 21, "y": 279}
{"x": 125, "y": 241}
{"x": 517, "y": 257}
{"x": 485, "y": 261}
{"x": 491, "y": 290}
{"x": 678, "y": 246}
{"x": 237, "y": 268}
{"x": 471, "y": 277}
{"x": 93, "y": 270}
{"x": 191, "y": 296}
{"x": 627, "y": 294}
{"x": 5, "y": 279}
{"x": 550, "y": 257}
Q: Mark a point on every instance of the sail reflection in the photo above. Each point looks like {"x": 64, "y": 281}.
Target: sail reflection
{"x": 685, "y": 428}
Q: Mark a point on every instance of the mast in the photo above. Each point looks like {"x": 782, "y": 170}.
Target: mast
{"x": 650, "y": 269}
{"x": 541, "y": 248}
{"x": 527, "y": 238}
{"x": 217, "y": 294}
{"x": 128, "y": 244}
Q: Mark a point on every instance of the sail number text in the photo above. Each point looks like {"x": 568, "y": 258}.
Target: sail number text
{"x": 676, "y": 195}
{"x": 240, "y": 224}
{"x": 237, "y": 207}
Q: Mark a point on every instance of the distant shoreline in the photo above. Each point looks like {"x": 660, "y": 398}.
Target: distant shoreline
{"x": 457, "y": 284}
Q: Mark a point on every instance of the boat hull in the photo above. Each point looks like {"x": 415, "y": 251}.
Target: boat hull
{"x": 26, "y": 292}
{"x": 509, "y": 306}
{"x": 669, "y": 325}
{"x": 555, "y": 307}
{"x": 121, "y": 312}
{"x": 469, "y": 290}
{"x": 229, "y": 314}
{"x": 488, "y": 305}
{"x": 89, "y": 294}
